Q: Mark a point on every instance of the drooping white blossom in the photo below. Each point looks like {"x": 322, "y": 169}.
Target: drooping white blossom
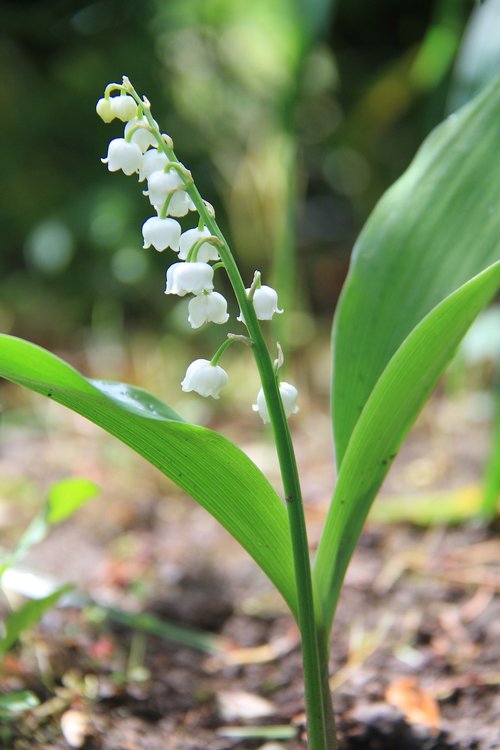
{"x": 288, "y": 395}
{"x": 142, "y": 134}
{"x": 162, "y": 184}
{"x": 161, "y": 233}
{"x": 123, "y": 107}
{"x": 207, "y": 308}
{"x": 153, "y": 161}
{"x": 206, "y": 251}
{"x": 189, "y": 278}
{"x": 265, "y": 303}
{"x": 123, "y": 155}
{"x": 204, "y": 378}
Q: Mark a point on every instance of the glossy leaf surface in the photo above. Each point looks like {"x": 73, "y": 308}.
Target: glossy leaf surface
{"x": 204, "y": 464}
{"x": 436, "y": 228}
{"x": 388, "y": 415}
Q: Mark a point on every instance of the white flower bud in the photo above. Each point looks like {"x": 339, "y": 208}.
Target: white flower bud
{"x": 206, "y": 251}
{"x": 207, "y": 308}
{"x": 105, "y": 110}
{"x": 288, "y": 395}
{"x": 204, "y": 378}
{"x": 161, "y": 233}
{"x": 189, "y": 278}
{"x": 123, "y": 107}
{"x": 153, "y": 161}
{"x": 142, "y": 136}
{"x": 123, "y": 155}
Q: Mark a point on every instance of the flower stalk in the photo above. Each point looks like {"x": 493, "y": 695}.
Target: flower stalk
{"x": 320, "y": 727}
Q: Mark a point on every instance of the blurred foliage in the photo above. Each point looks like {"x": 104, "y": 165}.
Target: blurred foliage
{"x": 267, "y": 102}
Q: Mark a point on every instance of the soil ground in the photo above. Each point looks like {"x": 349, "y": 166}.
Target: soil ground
{"x": 415, "y": 654}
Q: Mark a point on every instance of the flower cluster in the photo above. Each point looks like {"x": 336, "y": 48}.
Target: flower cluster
{"x": 145, "y": 151}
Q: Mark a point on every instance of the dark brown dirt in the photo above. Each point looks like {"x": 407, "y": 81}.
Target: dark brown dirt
{"x": 419, "y": 617}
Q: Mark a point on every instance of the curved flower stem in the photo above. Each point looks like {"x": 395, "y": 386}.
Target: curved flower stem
{"x": 314, "y": 652}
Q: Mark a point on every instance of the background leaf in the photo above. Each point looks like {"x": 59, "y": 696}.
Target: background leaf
{"x": 388, "y": 415}
{"x": 66, "y": 496}
{"x": 490, "y": 506}
{"x": 13, "y": 703}
{"x": 204, "y": 464}
{"x": 64, "y": 499}
{"x": 437, "y": 227}
{"x": 27, "y": 616}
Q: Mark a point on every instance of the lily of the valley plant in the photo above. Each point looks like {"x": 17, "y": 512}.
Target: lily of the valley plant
{"x": 424, "y": 266}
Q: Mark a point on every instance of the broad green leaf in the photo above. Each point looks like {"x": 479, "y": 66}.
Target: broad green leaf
{"x": 437, "y": 227}
{"x": 204, "y": 464}
{"x": 388, "y": 415}
{"x": 27, "y": 616}
{"x": 66, "y": 496}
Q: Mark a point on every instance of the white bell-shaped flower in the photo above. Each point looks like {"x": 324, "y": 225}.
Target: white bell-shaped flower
{"x": 142, "y": 134}
{"x": 161, "y": 233}
{"x": 104, "y": 109}
{"x": 288, "y": 395}
{"x": 206, "y": 251}
{"x": 123, "y": 155}
{"x": 163, "y": 184}
{"x": 204, "y": 378}
{"x": 189, "y": 278}
{"x": 180, "y": 203}
{"x": 207, "y": 308}
{"x": 265, "y": 302}
{"x": 123, "y": 107}
{"x": 153, "y": 161}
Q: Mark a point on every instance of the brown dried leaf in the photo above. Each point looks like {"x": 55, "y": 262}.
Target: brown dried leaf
{"x": 417, "y": 705}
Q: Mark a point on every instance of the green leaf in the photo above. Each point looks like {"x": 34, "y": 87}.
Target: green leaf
{"x": 204, "y": 464}
{"x": 64, "y": 499}
{"x": 27, "y": 616}
{"x": 437, "y": 227}
{"x": 490, "y": 507}
{"x": 387, "y": 417}
{"x": 66, "y": 496}
{"x": 14, "y": 703}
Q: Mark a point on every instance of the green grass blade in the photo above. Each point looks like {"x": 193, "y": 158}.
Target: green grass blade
{"x": 490, "y": 506}
{"x": 215, "y": 472}
{"x": 437, "y": 227}
{"x": 388, "y": 415}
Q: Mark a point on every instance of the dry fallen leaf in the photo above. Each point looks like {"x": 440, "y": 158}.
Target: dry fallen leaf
{"x": 411, "y": 699}
{"x": 241, "y": 706}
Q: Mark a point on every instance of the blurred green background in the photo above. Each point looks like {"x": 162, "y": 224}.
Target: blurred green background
{"x": 293, "y": 115}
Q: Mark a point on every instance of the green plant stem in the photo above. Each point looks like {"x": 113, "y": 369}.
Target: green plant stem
{"x": 317, "y": 697}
